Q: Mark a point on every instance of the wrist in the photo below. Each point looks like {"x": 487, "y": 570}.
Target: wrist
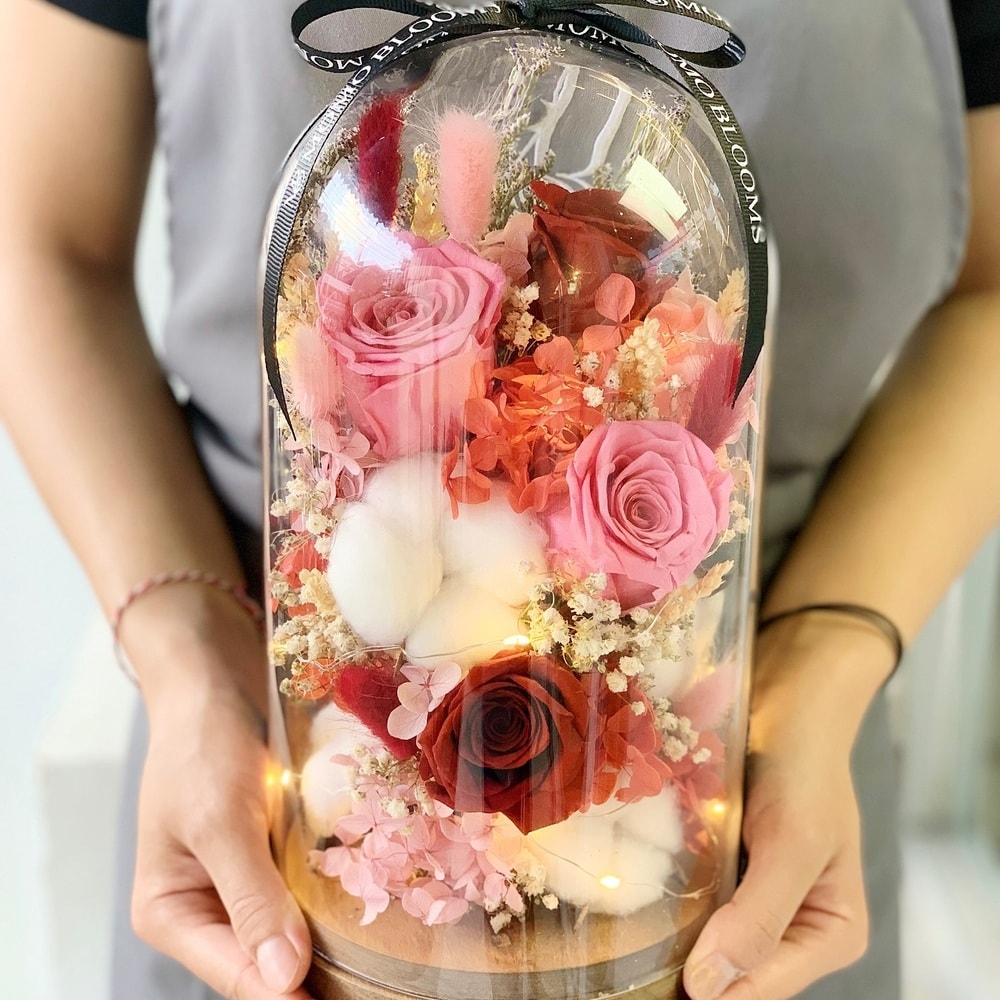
{"x": 191, "y": 641}
{"x": 817, "y": 670}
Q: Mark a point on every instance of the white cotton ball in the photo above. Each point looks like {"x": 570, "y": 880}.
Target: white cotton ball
{"x": 654, "y": 820}
{"x": 409, "y": 495}
{"x": 325, "y": 788}
{"x": 590, "y": 861}
{"x": 668, "y": 678}
{"x": 495, "y": 547}
{"x": 463, "y": 624}
{"x": 381, "y": 580}
{"x": 332, "y": 726}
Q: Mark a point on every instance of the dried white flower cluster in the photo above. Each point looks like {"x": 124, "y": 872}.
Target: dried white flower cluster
{"x": 519, "y": 328}
{"x": 571, "y": 617}
{"x": 311, "y": 501}
{"x": 680, "y": 738}
{"x": 528, "y": 878}
{"x": 317, "y": 632}
{"x": 639, "y": 368}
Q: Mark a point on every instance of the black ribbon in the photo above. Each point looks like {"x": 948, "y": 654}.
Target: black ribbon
{"x": 583, "y": 21}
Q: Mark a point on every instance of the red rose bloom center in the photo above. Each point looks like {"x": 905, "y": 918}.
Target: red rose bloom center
{"x": 510, "y": 738}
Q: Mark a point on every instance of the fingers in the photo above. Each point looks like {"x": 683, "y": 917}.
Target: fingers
{"x": 787, "y": 925}
{"x": 211, "y": 951}
{"x": 263, "y": 913}
{"x": 222, "y": 909}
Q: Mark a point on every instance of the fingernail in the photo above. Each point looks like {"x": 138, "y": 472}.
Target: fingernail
{"x": 711, "y": 976}
{"x": 278, "y": 962}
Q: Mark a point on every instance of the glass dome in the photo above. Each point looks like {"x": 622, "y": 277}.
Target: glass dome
{"x": 511, "y": 533}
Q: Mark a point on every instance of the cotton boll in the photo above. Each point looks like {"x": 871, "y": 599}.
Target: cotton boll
{"x": 591, "y": 862}
{"x": 325, "y": 787}
{"x": 463, "y": 624}
{"x": 654, "y": 820}
{"x": 668, "y": 678}
{"x": 496, "y": 548}
{"x": 334, "y": 727}
{"x": 408, "y": 495}
{"x": 381, "y": 580}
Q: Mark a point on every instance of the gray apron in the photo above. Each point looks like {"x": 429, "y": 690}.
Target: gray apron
{"x": 856, "y": 124}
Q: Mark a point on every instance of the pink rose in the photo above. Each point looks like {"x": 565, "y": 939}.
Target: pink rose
{"x": 414, "y": 343}
{"x": 646, "y": 503}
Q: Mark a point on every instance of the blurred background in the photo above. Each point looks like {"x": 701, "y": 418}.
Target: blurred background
{"x": 67, "y": 715}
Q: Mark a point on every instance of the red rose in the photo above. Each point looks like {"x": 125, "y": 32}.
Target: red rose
{"x": 580, "y": 238}
{"x": 511, "y": 739}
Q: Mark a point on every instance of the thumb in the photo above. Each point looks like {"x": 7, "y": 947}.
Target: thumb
{"x": 747, "y": 930}
{"x": 264, "y": 916}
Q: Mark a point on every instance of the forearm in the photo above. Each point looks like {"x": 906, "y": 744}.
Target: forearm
{"x": 911, "y": 500}
{"x": 107, "y": 446}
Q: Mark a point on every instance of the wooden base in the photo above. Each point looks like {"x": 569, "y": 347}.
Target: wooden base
{"x": 327, "y": 982}
{"x": 561, "y": 955}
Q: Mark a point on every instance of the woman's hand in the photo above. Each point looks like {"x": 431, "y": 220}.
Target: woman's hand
{"x": 799, "y": 913}
{"x": 206, "y": 890}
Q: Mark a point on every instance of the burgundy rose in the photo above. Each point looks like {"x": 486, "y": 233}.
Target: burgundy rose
{"x": 646, "y": 502}
{"x": 580, "y": 238}
{"x": 510, "y": 739}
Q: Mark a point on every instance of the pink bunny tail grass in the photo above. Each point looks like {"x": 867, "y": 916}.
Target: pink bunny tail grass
{"x": 380, "y": 165}
{"x": 467, "y": 165}
{"x": 714, "y": 418}
{"x": 312, "y": 374}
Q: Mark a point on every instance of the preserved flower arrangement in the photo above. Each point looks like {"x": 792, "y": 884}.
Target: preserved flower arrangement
{"x": 511, "y": 492}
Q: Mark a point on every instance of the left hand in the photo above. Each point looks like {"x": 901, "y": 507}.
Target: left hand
{"x": 800, "y": 911}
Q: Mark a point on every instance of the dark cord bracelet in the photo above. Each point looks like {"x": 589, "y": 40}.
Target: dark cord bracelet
{"x": 868, "y": 615}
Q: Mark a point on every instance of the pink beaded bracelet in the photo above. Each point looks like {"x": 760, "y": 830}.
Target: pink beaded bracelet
{"x": 237, "y": 591}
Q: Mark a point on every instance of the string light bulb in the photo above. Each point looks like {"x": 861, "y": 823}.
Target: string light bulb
{"x": 610, "y": 881}
{"x": 517, "y": 640}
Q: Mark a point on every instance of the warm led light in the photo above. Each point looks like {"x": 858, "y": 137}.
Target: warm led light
{"x": 517, "y": 640}
{"x": 275, "y": 775}
{"x": 610, "y": 881}
{"x": 717, "y": 808}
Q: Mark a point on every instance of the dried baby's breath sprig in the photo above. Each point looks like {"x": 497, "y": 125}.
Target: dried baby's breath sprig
{"x": 308, "y": 498}
{"x": 518, "y": 327}
{"x": 637, "y": 374}
{"x": 574, "y": 619}
{"x": 603, "y": 176}
{"x": 513, "y": 193}
{"x": 316, "y": 632}
{"x": 680, "y": 738}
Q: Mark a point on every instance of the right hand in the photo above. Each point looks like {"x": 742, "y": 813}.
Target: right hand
{"x": 206, "y": 890}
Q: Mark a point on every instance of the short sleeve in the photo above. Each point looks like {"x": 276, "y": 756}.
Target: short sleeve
{"x": 977, "y": 27}
{"x": 125, "y": 16}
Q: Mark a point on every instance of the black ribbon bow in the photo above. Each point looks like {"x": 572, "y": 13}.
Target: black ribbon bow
{"x": 587, "y": 21}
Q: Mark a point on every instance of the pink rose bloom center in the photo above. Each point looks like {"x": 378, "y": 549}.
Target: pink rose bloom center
{"x": 413, "y": 344}
{"x": 646, "y": 503}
